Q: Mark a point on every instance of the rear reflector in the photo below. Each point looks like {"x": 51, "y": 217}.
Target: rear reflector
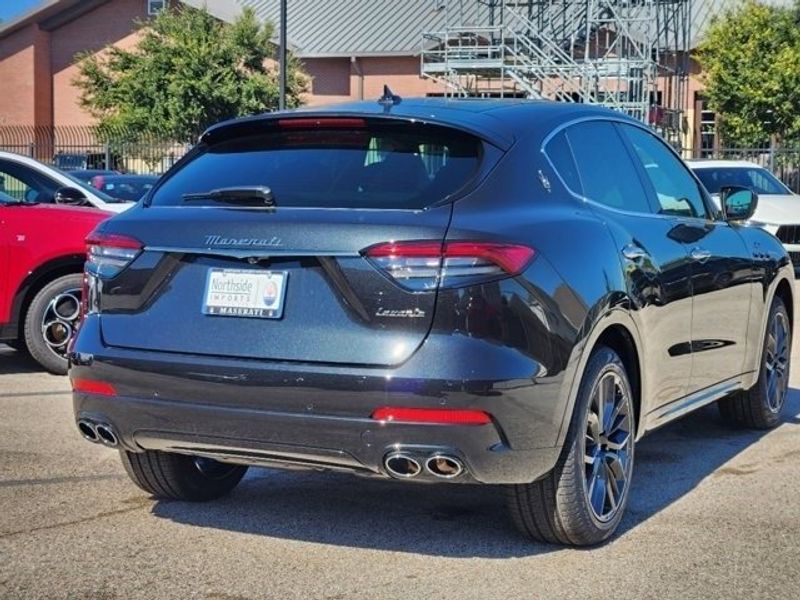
{"x": 90, "y": 386}
{"x": 441, "y": 416}
{"x": 421, "y": 265}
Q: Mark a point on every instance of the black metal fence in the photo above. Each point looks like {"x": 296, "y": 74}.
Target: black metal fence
{"x": 81, "y": 147}
{"x": 84, "y": 147}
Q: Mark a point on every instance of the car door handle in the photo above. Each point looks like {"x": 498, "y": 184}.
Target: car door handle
{"x": 700, "y": 254}
{"x": 634, "y": 252}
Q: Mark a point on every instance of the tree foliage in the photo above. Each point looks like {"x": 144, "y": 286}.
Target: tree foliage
{"x": 187, "y": 71}
{"x": 751, "y": 60}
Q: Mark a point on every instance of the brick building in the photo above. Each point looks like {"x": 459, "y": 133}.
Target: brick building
{"x": 38, "y": 49}
{"x": 37, "y": 54}
{"x": 351, "y": 48}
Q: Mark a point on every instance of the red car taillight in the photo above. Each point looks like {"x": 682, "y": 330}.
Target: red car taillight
{"x": 108, "y": 254}
{"x": 421, "y": 265}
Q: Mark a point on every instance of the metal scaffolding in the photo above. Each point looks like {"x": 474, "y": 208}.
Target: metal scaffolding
{"x": 630, "y": 55}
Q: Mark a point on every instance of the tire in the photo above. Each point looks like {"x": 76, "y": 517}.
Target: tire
{"x": 40, "y": 310}
{"x": 760, "y": 407}
{"x": 556, "y": 508}
{"x": 178, "y": 477}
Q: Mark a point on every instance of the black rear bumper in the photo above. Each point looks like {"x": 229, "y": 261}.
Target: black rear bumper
{"x": 257, "y": 412}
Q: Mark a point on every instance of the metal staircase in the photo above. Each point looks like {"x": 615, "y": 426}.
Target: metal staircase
{"x": 631, "y": 55}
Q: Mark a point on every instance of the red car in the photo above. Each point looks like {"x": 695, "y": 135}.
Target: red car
{"x": 41, "y": 264}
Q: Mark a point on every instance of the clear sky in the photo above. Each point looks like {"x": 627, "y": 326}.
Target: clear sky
{"x": 13, "y": 8}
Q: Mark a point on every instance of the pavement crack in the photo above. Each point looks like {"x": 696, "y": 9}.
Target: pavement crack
{"x": 97, "y": 517}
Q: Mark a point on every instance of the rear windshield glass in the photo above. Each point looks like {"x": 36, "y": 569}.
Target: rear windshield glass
{"x": 378, "y": 166}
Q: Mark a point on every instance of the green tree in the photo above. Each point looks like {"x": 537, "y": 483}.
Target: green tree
{"x": 751, "y": 62}
{"x": 188, "y": 71}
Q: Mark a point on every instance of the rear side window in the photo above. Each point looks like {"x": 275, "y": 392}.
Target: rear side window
{"x": 606, "y": 170}
{"x": 382, "y": 166}
{"x": 560, "y": 155}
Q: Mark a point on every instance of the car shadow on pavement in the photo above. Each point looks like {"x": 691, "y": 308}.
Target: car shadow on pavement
{"x": 454, "y": 520}
{"x": 13, "y": 362}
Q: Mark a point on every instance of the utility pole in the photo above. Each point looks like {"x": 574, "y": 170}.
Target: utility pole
{"x": 282, "y": 57}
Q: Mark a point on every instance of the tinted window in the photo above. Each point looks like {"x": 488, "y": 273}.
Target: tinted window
{"x": 124, "y": 188}
{"x": 676, "y": 189}
{"x": 759, "y": 180}
{"x": 25, "y": 184}
{"x": 605, "y": 168}
{"x": 375, "y": 166}
{"x": 560, "y": 154}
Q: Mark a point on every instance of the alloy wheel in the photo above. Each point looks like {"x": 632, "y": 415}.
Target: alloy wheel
{"x": 776, "y": 362}
{"x": 60, "y": 320}
{"x": 608, "y": 446}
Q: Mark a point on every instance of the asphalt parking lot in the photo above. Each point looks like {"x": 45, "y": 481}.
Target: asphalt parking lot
{"x": 714, "y": 514}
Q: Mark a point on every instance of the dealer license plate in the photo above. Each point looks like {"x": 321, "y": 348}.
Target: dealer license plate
{"x": 245, "y": 293}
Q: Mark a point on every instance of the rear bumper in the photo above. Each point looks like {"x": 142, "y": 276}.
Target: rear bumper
{"x": 255, "y": 412}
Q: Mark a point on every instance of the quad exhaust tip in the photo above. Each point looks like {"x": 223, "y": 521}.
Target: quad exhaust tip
{"x": 107, "y": 435}
{"x": 444, "y": 467}
{"x": 88, "y": 430}
{"x": 401, "y": 465}
{"x": 99, "y": 433}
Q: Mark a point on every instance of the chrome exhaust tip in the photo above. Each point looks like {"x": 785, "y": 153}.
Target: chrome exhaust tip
{"x": 401, "y": 465}
{"x": 106, "y": 435}
{"x": 444, "y": 467}
{"x": 88, "y": 431}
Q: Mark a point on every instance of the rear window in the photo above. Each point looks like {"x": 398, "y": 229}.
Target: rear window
{"x": 394, "y": 166}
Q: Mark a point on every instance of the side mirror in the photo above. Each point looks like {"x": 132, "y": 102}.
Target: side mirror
{"x": 71, "y": 196}
{"x": 738, "y": 203}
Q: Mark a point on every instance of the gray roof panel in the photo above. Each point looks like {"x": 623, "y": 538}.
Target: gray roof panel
{"x": 319, "y": 28}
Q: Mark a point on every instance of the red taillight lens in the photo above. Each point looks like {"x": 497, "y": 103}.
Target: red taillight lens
{"x": 440, "y": 416}
{"x": 421, "y": 265}
{"x": 90, "y": 386}
{"x": 108, "y": 254}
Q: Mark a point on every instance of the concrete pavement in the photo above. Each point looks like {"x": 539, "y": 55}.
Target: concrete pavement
{"x": 714, "y": 514}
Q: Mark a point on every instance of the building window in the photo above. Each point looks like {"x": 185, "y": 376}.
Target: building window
{"x": 706, "y": 142}
{"x": 155, "y": 6}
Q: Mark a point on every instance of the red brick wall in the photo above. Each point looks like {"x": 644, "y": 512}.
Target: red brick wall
{"x": 111, "y": 23}
{"x": 17, "y": 73}
{"x": 331, "y": 79}
{"x": 401, "y": 73}
{"x": 339, "y": 80}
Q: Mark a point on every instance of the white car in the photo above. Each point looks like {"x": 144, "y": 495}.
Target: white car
{"x": 28, "y": 179}
{"x": 778, "y": 208}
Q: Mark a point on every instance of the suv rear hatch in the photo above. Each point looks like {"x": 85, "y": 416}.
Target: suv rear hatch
{"x": 230, "y": 268}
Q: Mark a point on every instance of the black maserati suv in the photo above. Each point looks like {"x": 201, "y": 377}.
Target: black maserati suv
{"x": 473, "y": 291}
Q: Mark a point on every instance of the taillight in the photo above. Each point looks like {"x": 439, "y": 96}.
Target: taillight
{"x": 108, "y": 254}
{"x": 421, "y": 265}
